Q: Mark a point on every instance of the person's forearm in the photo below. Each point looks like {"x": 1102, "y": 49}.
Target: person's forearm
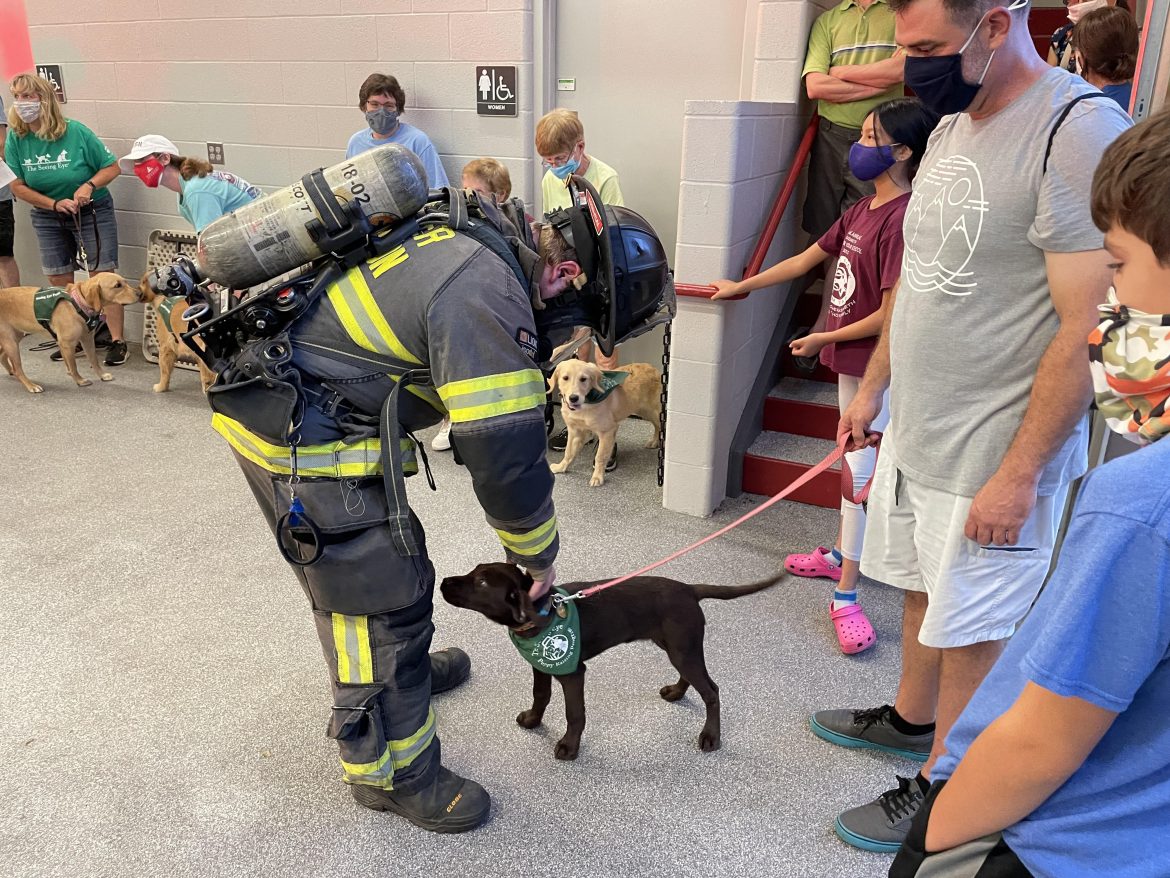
{"x": 880, "y": 74}
{"x": 790, "y": 269}
{"x": 822, "y": 87}
{"x": 1060, "y": 397}
{"x": 1006, "y": 774}
{"x": 877, "y": 373}
{"x": 105, "y": 176}
{"x": 28, "y": 195}
{"x": 866, "y": 327}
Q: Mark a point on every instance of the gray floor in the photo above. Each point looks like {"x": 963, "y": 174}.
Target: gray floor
{"x": 165, "y": 701}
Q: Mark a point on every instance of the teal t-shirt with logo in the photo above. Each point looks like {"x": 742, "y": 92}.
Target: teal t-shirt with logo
{"x": 55, "y": 168}
{"x": 206, "y": 199}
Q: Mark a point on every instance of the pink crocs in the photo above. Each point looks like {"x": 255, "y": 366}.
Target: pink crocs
{"x": 854, "y": 632}
{"x": 813, "y": 564}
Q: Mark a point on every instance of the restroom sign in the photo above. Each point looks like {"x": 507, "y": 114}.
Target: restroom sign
{"x": 495, "y": 90}
{"x": 51, "y": 73}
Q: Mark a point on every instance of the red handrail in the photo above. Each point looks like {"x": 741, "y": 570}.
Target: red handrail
{"x": 701, "y": 291}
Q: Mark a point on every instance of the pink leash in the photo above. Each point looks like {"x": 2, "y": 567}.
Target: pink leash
{"x": 845, "y": 444}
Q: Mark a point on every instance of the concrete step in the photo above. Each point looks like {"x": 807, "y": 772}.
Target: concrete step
{"x": 775, "y": 460}
{"x": 803, "y": 407}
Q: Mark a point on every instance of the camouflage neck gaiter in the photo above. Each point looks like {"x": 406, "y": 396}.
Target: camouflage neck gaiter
{"x": 1129, "y": 357}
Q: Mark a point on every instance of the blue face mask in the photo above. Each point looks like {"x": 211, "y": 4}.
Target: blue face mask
{"x": 938, "y": 80}
{"x": 563, "y": 172}
{"x": 870, "y": 162}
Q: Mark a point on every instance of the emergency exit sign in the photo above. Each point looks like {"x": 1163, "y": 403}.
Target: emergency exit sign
{"x": 495, "y": 90}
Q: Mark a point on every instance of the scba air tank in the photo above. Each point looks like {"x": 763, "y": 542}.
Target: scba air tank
{"x": 273, "y": 235}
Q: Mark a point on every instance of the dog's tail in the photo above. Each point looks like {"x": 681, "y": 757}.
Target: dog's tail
{"x": 728, "y": 592}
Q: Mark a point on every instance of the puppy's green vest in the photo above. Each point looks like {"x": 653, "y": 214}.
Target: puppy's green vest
{"x": 609, "y": 380}
{"x": 557, "y": 649}
{"x": 45, "y": 300}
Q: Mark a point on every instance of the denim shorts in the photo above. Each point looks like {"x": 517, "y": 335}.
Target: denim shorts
{"x": 58, "y": 239}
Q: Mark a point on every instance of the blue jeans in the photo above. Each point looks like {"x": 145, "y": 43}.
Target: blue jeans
{"x": 57, "y": 236}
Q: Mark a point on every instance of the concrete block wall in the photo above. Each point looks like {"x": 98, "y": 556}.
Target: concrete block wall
{"x": 735, "y": 154}
{"x": 735, "y": 157}
{"x": 276, "y": 82}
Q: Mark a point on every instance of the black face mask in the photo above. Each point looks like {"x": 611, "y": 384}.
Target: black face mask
{"x": 938, "y": 80}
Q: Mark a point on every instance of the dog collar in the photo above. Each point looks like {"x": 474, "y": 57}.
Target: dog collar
{"x": 555, "y": 649}
{"x": 609, "y": 380}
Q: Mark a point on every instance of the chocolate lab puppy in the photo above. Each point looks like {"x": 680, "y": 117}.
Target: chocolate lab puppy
{"x": 644, "y": 608}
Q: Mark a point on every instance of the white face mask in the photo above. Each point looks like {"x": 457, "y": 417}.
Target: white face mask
{"x": 29, "y": 111}
{"x": 1076, "y": 13}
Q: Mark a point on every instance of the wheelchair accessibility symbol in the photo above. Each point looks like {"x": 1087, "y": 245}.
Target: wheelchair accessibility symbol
{"x": 495, "y": 91}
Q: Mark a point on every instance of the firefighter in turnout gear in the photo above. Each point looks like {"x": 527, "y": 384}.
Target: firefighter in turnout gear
{"x": 435, "y": 317}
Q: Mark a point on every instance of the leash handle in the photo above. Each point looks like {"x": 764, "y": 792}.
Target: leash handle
{"x": 845, "y": 444}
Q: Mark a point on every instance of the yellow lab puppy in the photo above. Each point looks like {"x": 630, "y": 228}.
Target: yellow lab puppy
{"x": 580, "y": 382}
{"x": 71, "y": 320}
{"x": 170, "y": 347}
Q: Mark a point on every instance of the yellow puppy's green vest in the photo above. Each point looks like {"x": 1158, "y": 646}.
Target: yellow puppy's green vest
{"x": 47, "y": 299}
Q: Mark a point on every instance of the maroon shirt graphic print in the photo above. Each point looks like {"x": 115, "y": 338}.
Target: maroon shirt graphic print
{"x": 868, "y": 247}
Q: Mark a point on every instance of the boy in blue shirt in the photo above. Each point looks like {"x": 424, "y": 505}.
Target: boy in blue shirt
{"x": 1060, "y": 764}
{"x": 383, "y": 101}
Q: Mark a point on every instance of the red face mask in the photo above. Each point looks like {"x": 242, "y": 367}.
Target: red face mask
{"x": 150, "y": 171}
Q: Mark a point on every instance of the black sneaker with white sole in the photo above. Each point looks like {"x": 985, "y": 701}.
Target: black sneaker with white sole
{"x": 117, "y": 353}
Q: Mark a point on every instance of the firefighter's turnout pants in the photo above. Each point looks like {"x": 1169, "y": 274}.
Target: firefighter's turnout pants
{"x": 372, "y": 609}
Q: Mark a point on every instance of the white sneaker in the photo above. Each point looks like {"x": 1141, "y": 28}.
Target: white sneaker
{"x": 442, "y": 440}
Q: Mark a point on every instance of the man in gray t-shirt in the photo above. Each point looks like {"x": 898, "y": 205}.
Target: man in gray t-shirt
{"x": 9, "y": 274}
{"x": 986, "y": 358}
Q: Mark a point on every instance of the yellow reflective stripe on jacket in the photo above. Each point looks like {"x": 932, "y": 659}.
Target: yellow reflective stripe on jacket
{"x": 532, "y": 542}
{"x": 351, "y": 642}
{"x": 332, "y": 460}
{"x": 475, "y": 399}
{"x": 398, "y": 754}
{"x": 363, "y": 319}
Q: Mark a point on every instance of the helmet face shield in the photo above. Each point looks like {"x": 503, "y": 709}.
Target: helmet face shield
{"x": 627, "y": 275}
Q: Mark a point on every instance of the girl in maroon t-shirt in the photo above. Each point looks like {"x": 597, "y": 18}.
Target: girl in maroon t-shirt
{"x": 866, "y": 243}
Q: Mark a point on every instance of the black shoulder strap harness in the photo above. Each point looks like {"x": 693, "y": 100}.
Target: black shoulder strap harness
{"x": 1064, "y": 115}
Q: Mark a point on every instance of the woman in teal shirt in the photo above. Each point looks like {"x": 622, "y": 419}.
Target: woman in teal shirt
{"x": 204, "y": 194}
{"x": 62, "y": 170}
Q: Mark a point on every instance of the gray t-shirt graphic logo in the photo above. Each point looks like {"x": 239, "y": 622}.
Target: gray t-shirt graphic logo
{"x": 949, "y": 197}
{"x": 974, "y": 314}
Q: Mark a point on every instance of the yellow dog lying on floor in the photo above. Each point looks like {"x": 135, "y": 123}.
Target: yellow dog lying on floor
{"x": 592, "y": 404}
{"x": 69, "y": 314}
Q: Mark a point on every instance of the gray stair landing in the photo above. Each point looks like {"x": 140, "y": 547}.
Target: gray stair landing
{"x": 787, "y": 446}
{"x": 805, "y": 390}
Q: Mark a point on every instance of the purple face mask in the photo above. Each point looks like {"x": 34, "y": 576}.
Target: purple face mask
{"x": 870, "y": 162}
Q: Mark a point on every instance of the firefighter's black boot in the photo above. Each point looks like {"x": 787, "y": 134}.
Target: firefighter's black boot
{"x": 449, "y": 803}
{"x": 449, "y": 668}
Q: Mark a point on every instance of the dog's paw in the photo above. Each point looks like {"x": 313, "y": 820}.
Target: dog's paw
{"x": 558, "y": 467}
{"x": 528, "y": 719}
{"x": 653, "y": 443}
{"x": 106, "y": 376}
{"x": 83, "y": 382}
{"x": 566, "y": 750}
{"x": 709, "y": 741}
{"x": 35, "y": 388}
{"x": 597, "y": 480}
{"x": 673, "y": 692}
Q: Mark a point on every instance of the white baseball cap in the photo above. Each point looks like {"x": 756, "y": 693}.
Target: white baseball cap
{"x": 147, "y": 144}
